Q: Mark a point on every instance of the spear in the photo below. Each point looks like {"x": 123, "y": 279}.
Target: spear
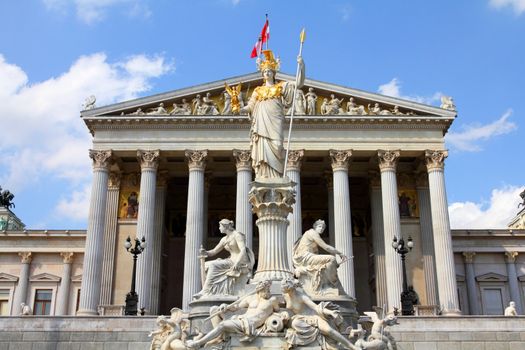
{"x": 302, "y": 37}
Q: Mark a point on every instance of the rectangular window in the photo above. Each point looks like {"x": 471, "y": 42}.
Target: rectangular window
{"x": 493, "y": 301}
{"x": 42, "y": 304}
{"x": 4, "y": 302}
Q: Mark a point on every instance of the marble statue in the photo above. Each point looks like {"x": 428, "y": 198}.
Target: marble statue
{"x": 197, "y": 104}
{"x": 89, "y": 103}
{"x": 227, "y": 109}
{"x": 300, "y": 104}
{"x": 259, "y": 305}
{"x": 376, "y": 110}
{"x": 266, "y": 108}
{"x": 396, "y": 111}
{"x": 380, "y": 337}
{"x": 317, "y": 272}
{"x": 138, "y": 112}
{"x": 172, "y": 332}
{"x": 25, "y": 310}
{"x": 447, "y": 102}
{"x": 312, "y": 322}
{"x": 183, "y": 109}
{"x": 160, "y": 110}
{"x": 208, "y": 107}
{"x": 334, "y": 106}
{"x": 511, "y": 309}
{"x": 354, "y": 109}
{"x": 227, "y": 276}
{"x": 325, "y": 108}
{"x": 522, "y": 196}
{"x": 311, "y": 100}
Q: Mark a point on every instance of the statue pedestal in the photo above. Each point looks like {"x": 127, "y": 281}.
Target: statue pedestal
{"x": 200, "y": 310}
{"x": 274, "y": 341}
{"x": 272, "y": 201}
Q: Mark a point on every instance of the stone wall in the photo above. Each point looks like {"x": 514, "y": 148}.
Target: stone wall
{"x": 130, "y": 333}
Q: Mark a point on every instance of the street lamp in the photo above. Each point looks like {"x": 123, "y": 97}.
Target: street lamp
{"x": 132, "y": 298}
{"x": 407, "y": 299}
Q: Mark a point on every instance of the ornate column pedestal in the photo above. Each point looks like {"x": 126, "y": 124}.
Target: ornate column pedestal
{"x": 194, "y": 225}
{"x": 23, "y": 281}
{"x": 243, "y": 209}
{"x": 514, "y": 288}
{"x": 149, "y": 162}
{"x": 94, "y": 251}
{"x": 63, "y": 290}
{"x": 445, "y": 269}
{"x": 272, "y": 201}
{"x": 391, "y": 226}
{"x": 295, "y": 229}
{"x": 470, "y": 277}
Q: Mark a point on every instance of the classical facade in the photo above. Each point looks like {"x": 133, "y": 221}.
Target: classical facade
{"x": 169, "y": 167}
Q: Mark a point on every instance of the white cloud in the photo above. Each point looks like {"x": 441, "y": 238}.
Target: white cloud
{"x": 92, "y": 11}
{"x": 518, "y": 6}
{"x": 76, "y": 206}
{"x": 495, "y": 213}
{"x": 393, "y": 88}
{"x": 472, "y": 135}
{"x": 42, "y": 134}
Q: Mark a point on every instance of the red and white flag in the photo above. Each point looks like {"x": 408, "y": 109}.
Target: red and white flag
{"x": 265, "y": 36}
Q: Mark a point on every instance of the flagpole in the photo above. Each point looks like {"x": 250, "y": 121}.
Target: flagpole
{"x": 302, "y": 37}
{"x": 267, "y": 38}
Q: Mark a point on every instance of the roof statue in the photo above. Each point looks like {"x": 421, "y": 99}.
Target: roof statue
{"x": 522, "y": 195}
{"x": 447, "y": 102}
{"x": 6, "y": 199}
{"x": 89, "y": 103}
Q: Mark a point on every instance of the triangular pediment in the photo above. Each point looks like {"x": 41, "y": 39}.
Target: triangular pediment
{"x": 179, "y": 102}
{"x": 491, "y": 277}
{"x": 5, "y": 277}
{"x": 76, "y": 278}
{"x": 45, "y": 277}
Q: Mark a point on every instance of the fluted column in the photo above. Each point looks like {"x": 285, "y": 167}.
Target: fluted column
{"x": 378, "y": 239}
{"x": 23, "y": 281}
{"x": 343, "y": 217}
{"x": 156, "y": 244}
{"x": 427, "y": 239}
{"x": 329, "y": 180}
{"x": 149, "y": 162}
{"x": 391, "y": 226}
{"x": 194, "y": 221}
{"x": 207, "y": 184}
{"x": 445, "y": 269}
{"x": 470, "y": 277}
{"x": 110, "y": 239}
{"x": 63, "y": 290}
{"x": 295, "y": 229}
{"x": 515, "y": 295}
{"x": 94, "y": 249}
{"x": 243, "y": 209}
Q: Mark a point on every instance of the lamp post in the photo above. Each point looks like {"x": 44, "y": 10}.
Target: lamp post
{"x": 407, "y": 299}
{"x": 132, "y": 298}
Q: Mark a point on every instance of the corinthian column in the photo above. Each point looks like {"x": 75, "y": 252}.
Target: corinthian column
{"x": 379, "y": 241}
{"x": 471, "y": 283}
{"x": 295, "y": 159}
{"x": 391, "y": 226}
{"x": 513, "y": 280}
{"x": 243, "y": 209}
{"x": 110, "y": 239}
{"x": 343, "y": 217}
{"x": 94, "y": 251}
{"x": 445, "y": 269}
{"x": 149, "y": 162}
{"x": 23, "y": 282}
{"x": 156, "y": 244}
{"x": 65, "y": 282}
{"x": 427, "y": 239}
{"x": 194, "y": 224}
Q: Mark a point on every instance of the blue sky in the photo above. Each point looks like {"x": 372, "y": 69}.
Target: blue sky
{"x": 54, "y": 53}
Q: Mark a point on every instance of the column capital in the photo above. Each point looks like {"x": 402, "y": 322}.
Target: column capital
{"x": 196, "y": 159}
{"x": 435, "y": 159}
{"x": 295, "y": 159}
{"x": 162, "y": 178}
{"x": 67, "y": 257}
{"x": 101, "y": 159}
{"x": 511, "y": 257}
{"x": 469, "y": 257}
{"x": 243, "y": 159}
{"x": 388, "y": 159}
{"x": 26, "y": 257}
{"x": 340, "y": 159}
{"x": 114, "y": 180}
{"x": 422, "y": 180}
{"x": 374, "y": 178}
{"x": 148, "y": 160}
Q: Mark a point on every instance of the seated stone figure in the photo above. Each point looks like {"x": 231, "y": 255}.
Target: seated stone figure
{"x": 227, "y": 276}
{"x": 317, "y": 272}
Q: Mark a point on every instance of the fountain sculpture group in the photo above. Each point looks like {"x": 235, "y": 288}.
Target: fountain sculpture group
{"x": 278, "y": 307}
